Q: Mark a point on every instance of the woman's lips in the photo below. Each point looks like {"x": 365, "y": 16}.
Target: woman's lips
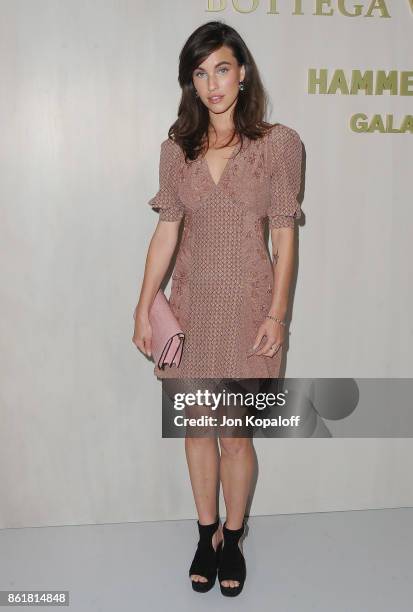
{"x": 215, "y": 99}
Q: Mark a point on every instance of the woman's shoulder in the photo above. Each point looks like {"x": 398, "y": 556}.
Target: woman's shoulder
{"x": 169, "y": 143}
{"x": 283, "y": 142}
{"x": 280, "y": 133}
{"x": 171, "y": 149}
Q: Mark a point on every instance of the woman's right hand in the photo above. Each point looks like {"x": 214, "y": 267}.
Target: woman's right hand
{"x": 142, "y": 335}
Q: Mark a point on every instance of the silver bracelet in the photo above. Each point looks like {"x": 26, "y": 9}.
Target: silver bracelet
{"x": 276, "y": 319}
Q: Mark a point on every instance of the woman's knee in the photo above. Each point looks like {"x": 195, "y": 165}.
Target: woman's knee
{"x": 234, "y": 446}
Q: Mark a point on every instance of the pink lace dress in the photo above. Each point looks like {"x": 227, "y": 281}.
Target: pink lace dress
{"x": 223, "y": 277}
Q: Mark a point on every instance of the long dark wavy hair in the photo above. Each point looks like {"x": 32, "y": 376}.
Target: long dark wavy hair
{"x": 191, "y": 126}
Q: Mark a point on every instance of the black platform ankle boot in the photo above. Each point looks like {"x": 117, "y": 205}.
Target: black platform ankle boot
{"x": 231, "y": 561}
{"x": 205, "y": 561}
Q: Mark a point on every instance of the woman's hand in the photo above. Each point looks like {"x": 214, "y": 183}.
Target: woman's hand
{"x": 275, "y": 335}
{"x": 142, "y": 335}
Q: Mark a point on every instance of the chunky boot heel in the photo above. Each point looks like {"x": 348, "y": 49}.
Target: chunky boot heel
{"x": 205, "y": 561}
{"x": 231, "y": 561}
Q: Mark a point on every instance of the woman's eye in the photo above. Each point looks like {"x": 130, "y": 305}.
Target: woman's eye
{"x": 200, "y": 74}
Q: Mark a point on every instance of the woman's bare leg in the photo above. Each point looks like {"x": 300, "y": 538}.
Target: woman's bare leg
{"x": 236, "y": 473}
{"x": 202, "y": 456}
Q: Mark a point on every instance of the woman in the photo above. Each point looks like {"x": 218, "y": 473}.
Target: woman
{"x": 224, "y": 171}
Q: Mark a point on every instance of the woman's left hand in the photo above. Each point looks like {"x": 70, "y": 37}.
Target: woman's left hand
{"x": 275, "y": 335}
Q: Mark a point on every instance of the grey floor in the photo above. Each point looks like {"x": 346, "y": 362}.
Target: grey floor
{"x": 354, "y": 561}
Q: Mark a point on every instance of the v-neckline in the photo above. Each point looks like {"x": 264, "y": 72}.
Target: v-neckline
{"x": 216, "y": 185}
{"x": 204, "y": 159}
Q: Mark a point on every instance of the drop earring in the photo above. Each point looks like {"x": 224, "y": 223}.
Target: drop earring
{"x": 241, "y": 86}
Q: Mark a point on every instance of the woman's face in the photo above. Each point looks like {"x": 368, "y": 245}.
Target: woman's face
{"x": 217, "y": 80}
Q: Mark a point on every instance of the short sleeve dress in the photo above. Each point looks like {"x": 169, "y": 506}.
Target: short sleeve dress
{"x": 223, "y": 276}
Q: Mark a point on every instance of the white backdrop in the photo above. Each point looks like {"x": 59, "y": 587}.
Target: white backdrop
{"x": 88, "y": 92}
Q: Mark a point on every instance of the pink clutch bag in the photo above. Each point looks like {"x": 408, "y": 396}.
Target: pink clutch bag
{"x": 167, "y": 335}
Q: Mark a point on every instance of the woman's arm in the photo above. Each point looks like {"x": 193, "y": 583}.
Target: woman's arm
{"x": 161, "y": 249}
{"x": 163, "y": 242}
{"x": 282, "y": 240}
